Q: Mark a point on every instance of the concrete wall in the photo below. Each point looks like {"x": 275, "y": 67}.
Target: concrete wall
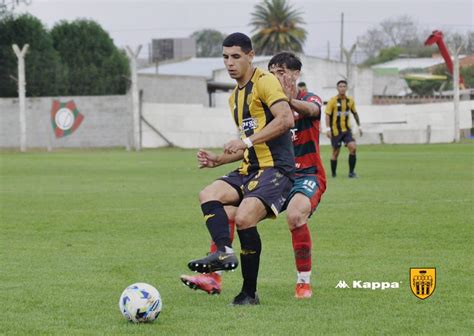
{"x": 187, "y": 126}
{"x": 173, "y": 89}
{"x": 193, "y": 126}
{"x": 107, "y": 123}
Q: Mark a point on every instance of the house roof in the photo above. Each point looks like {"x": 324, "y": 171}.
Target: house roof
{"x": 409, "y": 63}
{"x": 401, "y": 64}
{"x": 195, "y": 66}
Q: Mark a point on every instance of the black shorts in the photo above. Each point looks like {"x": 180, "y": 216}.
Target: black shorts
{"x": 268, "y": 185}
{"x": 337, "y": 140}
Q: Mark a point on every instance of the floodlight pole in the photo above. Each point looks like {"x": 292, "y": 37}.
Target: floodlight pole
{"x": 135, "y": 96}
{"x": 20, "y": 54}
{"x": 455, "y": 52}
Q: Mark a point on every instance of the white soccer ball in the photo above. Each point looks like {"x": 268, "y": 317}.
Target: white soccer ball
{"x": 140, "y": 302}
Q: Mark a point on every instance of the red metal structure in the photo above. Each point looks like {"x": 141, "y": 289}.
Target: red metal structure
{"x": 437, "y": 37}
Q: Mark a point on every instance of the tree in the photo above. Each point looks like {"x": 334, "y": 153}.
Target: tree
{"x": 400, "y": 32}
{"x": 277, "y": 28}
{"x": 208, "y": 42}
{"x": 94, "y": 64}
{"x": 44, "y": 73}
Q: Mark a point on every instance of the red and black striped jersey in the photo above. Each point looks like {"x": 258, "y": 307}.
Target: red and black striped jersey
{"x": 305, "y": 138}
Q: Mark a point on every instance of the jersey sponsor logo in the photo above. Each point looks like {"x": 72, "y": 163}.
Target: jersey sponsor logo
{"x": 423, "y": 282}
{"x": 249, "y": 124}
{"x": 343, "y": 113}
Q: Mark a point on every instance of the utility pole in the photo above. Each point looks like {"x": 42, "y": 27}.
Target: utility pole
{"x": 455, "y": 53}
{"x": 342, "y": 36}
{"x": 349, "y": 54}
{"x": 20, "y": 54}
{"x": 135, "y": 97}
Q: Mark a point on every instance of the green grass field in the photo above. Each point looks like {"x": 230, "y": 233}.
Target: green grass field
{"x": 77, "y": 227}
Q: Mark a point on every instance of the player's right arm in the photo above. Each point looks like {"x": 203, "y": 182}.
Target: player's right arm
{"x": 208, "y": 159}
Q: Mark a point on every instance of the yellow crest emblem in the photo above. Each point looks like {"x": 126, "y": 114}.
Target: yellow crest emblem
{"x": 252, "y": 185}
{"x": 423, "y": 281}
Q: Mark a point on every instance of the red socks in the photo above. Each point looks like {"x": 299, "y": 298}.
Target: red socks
{"x": 302, "y": 247}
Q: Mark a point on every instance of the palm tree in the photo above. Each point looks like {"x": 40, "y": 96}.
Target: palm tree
{"x": 276, "y": 25}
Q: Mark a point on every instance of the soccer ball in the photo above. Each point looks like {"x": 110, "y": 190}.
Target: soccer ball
{"x": 140, "y": 302}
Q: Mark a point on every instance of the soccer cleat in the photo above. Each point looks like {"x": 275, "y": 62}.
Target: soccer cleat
{"x": 217, "y": 261}
{"x": 334, "y": 175}
{"x": 210, "y": 283}
{"x": 243, "y": 299}
{"x": 352, "y": 175}
{"x": 303, "y": 291}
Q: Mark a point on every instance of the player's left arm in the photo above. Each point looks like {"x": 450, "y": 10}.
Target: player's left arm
{"x": 271, "y": 94}
{"x": 356, "y": 116}
{"x": 282, "y": 122}
{"x": 310, "y": 108}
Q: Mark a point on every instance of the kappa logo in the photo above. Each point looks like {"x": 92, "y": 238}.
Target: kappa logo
{"x": 373, "y": 285}
{"x": 423, "y": 282}
{"x": 294, "y": 137}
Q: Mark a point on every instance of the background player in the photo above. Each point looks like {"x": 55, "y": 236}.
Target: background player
{"x": 339, "y": 128}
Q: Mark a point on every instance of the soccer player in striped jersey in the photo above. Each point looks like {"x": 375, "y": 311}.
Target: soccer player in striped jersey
{"x": 260, "y": 186}
{"x": 339, "y": 128}
{"x": 310, "y": 178}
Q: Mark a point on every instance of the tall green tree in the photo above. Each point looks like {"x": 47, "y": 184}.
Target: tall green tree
{"x": 208, "y": 42}
{"x": 277, "y": 27}
{"x": 43, "y": 70}
{"x": 94, "y": 64}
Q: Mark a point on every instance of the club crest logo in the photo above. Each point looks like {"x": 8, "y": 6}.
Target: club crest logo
{"x": 423, "y": 282}
{"x": 252, "y": 185}
{"x": 65, "y": 118}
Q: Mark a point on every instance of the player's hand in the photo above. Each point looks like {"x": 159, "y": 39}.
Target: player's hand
{"x": 207, "y": 159}
{"x": 233, "y": 146}
{"x": 288, "y": 86}
{"x": 360, "y": 131}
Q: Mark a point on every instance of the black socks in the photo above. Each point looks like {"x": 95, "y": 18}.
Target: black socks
{"x": 251, "y": 247}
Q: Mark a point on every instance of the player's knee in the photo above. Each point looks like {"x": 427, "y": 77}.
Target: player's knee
{"x": 206, "y": 194}
{"x": 243, "y": 222}
{"x": 294, "y": 219}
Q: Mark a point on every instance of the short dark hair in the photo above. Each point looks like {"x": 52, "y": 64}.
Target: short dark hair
{"x": 301, "y": 84}
{"x": 286, "y": 58}
{"x": 341, "y": 81}
{"x": 238, "y": 40}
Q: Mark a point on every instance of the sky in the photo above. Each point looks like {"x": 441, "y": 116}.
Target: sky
{"x": 136, "y": 22}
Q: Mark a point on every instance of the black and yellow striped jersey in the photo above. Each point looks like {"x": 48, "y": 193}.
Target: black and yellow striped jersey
{"x": 250, "y": 106}
{"x": 338, "y": 109}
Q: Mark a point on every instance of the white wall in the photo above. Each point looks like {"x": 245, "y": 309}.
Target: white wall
{"x": 194, "y": 126}
{"x": 187, "y": 126}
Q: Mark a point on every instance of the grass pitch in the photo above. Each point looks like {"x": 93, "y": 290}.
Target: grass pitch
{"x": 77, "y": 227}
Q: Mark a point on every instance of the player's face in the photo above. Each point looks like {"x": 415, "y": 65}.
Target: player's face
{"x": 237, "y": 62}
{"x": 342, "y": 88}
{"x": 282, "y": 72}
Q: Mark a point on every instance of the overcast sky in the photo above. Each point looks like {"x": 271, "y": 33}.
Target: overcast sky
{"x": 132, "y": 22}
